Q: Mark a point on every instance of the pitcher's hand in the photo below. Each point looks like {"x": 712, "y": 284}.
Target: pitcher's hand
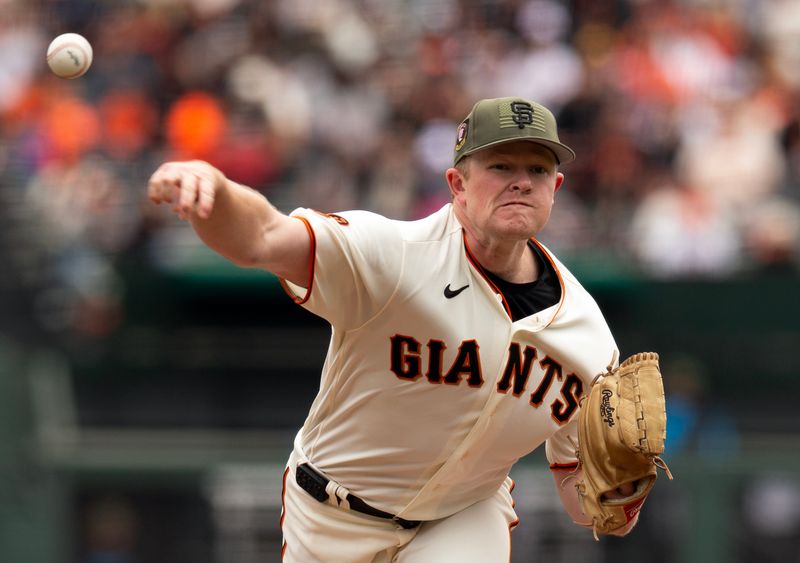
{"x": 623, "y": 491}
{"x": 190, "y": 187}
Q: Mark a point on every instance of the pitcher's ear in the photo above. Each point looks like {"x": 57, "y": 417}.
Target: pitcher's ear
{"x": 455, "y": 181}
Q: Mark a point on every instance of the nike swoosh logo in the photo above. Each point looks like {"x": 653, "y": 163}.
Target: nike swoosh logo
{"x": 450, "y": 293}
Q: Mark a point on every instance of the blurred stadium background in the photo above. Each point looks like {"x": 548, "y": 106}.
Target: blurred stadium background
{"x": 149, "y": 391}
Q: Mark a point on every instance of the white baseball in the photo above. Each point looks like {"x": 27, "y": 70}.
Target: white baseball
{"x": 69, "y": 55}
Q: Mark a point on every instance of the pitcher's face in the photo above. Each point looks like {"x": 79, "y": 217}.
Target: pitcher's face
{"x": 508, "y": 190}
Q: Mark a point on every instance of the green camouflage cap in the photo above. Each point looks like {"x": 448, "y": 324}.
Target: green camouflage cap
{"x": 502, "y": 120}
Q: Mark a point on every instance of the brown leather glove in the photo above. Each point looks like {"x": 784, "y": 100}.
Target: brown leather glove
{"x": 621, "y": 432}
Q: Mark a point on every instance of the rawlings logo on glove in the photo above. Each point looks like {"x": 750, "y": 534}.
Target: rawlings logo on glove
{"x": 621, "y": 431}
{"x": 606, "y": 410}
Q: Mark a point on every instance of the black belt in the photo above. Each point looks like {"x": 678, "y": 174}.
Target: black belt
{"x": 314, "y": 484}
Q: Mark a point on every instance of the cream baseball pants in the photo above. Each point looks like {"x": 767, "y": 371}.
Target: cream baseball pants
{"x": 318, "y": 532}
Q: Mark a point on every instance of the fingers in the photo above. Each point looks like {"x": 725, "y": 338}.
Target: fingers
{"x": 189, "y": 186}
{"x": 187, "y": 195}
{"x": 162, "y": 185}
{"x": 205, "y": 197}
{"x": 622, "y": 492}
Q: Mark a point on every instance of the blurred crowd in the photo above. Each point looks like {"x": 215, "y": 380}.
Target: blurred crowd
{"x": 685, "y": 115}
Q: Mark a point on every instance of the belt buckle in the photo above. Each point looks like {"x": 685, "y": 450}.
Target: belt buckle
{"x": 316, "y": 484}
{"x": 312, "y": 482}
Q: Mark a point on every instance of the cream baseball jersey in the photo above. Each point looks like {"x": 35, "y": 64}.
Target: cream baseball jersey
{"x": 430, "y": 392}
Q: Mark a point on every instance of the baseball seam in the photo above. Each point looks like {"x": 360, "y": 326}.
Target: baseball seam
{"x": 83, "y": 68}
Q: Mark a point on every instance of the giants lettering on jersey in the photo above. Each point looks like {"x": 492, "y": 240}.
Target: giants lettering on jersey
{"x": 407, "y": 359}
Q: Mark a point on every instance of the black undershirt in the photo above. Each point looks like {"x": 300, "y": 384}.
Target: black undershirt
{"x": 525, "y": 299}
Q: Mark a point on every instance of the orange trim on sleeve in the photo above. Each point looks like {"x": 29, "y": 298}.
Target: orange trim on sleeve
{"x": 309, "y": 285}
{"x": 566, "y": 466}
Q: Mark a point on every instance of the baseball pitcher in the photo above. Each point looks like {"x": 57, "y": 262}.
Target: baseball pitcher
{"x": 459, "y": 344}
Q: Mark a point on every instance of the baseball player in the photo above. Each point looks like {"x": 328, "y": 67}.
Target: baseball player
{"x": 459, "y": 344}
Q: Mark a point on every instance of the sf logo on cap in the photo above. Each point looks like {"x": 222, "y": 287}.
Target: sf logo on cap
{"x": 523, "y": 114}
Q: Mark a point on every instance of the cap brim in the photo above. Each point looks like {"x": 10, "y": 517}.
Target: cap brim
{"x": 563, "y": 153}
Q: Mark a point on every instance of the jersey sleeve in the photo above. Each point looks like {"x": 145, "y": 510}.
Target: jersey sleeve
{"x": 560, "y": 447}
{"x": 357, "y": 259}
